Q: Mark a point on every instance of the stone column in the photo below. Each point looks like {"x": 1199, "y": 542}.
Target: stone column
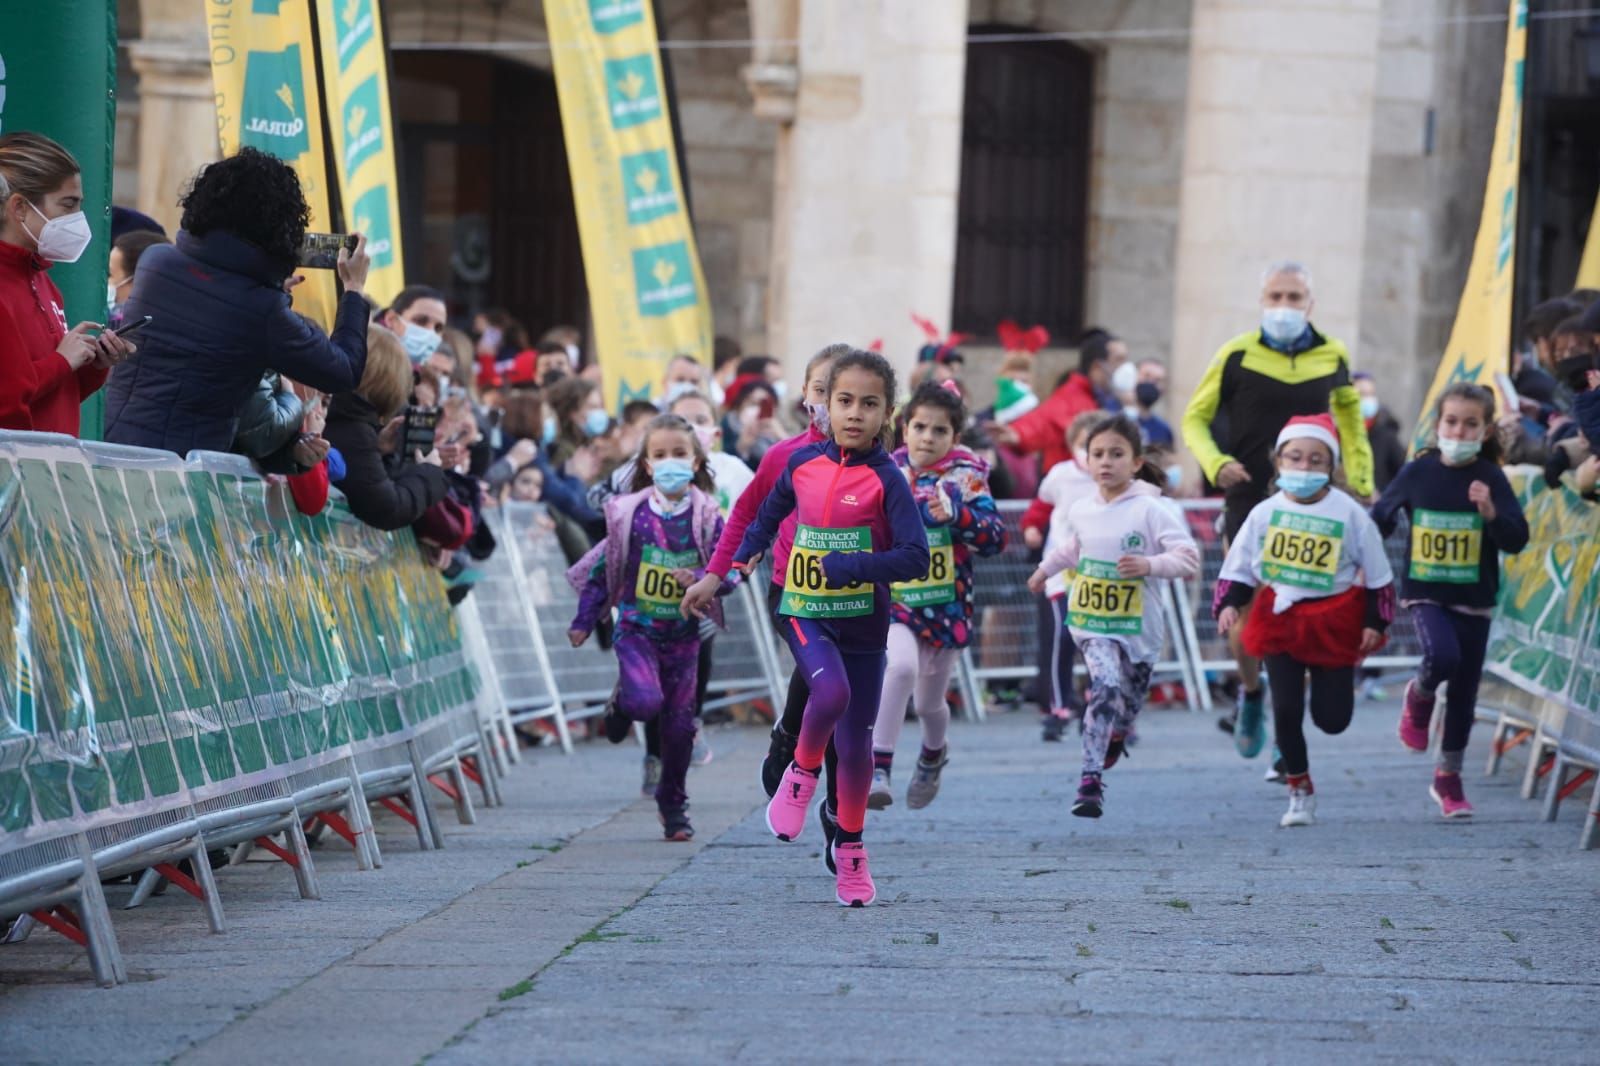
{"x": 1277, "y": 150}
{"x": 864, "y": 214}
{"x": 177, "y": 104}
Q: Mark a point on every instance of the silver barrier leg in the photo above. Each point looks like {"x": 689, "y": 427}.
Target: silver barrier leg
{"x": 1591, "y": 824}
{"x": 149, "y": 881}
{"x": 105, "y": 957}
{"x": 971, "y": 691}
{"x": 305, "y": 871}
{"x": 429, "y": 835}
{"x": 206, "y": 878}
{"x": 541, "y": 652}
{"x": 1170, "y": 618}
{"x": 766, "y": 651}
{"x": 1191, "y": 640}
{"x": 1558, "y": 781}
{"x": 465, "y": 814}
{"x": 1536, "y": 755}
{"x": 368, "y": 855}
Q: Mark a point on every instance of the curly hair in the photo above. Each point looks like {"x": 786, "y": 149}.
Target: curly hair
{"x": 254, "y": 196}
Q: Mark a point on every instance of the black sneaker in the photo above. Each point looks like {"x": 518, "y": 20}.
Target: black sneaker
{"x": 617, "y": 725}
{"x": 675, "y": 824}
{"x": 1055, "y": 727}
{"x": 1091, "y": 797}
{"x": 1225, "y": 723}
{"x": 1116, "y": 749}
{"x": 780, "y": 753}
{"x": 830, "y": 829}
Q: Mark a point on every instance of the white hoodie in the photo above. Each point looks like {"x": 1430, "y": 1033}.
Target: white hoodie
{"x": 1102, "y": 606}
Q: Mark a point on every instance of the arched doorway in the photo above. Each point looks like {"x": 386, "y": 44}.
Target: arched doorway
{"x": 486, "y": 198}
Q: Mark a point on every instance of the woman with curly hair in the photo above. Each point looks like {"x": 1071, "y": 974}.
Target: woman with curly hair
{"x": 219, "y": 305}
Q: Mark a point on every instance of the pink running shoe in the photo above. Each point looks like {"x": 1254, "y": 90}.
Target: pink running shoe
{"x": 786, "y": 811}
{"x": 854, "y": 880}
{"x": 1447, "y": 793}
{"x": 1415, "y": 714}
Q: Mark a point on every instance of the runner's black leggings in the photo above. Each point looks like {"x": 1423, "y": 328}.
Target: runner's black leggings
{"x": 1333, "y": 703}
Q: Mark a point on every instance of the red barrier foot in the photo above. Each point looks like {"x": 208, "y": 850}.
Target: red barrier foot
{"x": 277, "y": 849}
{"x": 181, "y": 879}
{"x": 399, "y": 809}
{"x": 63, "y": 921}
{"x": 443, "y": 786}
{"x": 1576, "y": 783}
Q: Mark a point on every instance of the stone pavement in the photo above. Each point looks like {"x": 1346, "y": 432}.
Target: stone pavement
{"x": 1183, "y": 926}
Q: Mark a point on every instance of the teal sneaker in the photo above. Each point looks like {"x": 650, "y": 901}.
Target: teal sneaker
{"x": 1250, "y": 731}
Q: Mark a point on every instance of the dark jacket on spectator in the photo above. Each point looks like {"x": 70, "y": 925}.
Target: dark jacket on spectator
{"x": 220, "y": 318}
{"x": 1388, "y": 449}
{"x": 386, "y": 495}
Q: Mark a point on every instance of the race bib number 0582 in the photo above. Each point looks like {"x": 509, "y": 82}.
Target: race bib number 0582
{"x": 1302, "y": 551}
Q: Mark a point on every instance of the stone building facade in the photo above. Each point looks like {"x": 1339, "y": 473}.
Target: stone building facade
{"x": 825, "y": 151}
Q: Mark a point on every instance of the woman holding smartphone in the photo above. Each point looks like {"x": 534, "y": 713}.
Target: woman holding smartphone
{"x": 46, "y": 370}
{"x": 220, "y": 309}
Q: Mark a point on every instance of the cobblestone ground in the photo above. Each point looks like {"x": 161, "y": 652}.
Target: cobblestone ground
{"x": 1183, "y": 926}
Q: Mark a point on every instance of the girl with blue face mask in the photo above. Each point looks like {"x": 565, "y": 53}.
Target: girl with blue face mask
{"x": 1309, "y": 565}
{"x": 658, "y": 540}
{"x": 1463, "y": 515}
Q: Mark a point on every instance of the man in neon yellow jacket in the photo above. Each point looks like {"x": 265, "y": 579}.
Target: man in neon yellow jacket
{"x": 1256, "y": 382}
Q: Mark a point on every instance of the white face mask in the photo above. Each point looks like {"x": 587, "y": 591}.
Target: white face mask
{"x": 62, "y": 240}
{"x": 1283, "y": 324}
{"x": 1081, "y": 457}
{"x": 710, "y": 438}
{"x": 419, "y": 341}
{"x": 1125, "y": 379}
{"x": 1459, "y": 451}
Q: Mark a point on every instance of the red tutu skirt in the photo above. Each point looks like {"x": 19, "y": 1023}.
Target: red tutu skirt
{"x": 1323, "y": 632}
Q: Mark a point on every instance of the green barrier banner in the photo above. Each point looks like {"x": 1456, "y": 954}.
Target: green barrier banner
{"x": 171, "y": 635}
{"x": 58, "y": 77}
{"x": 1545, "y": 629}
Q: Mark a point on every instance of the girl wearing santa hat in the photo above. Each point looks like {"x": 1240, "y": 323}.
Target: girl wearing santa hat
{"x": 1326, "y": 596}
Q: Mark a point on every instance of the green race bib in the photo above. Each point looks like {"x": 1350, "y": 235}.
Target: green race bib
{"x": 1103, "y": 603}
{"x": 938, "y": 585}
{"x": 657, "y": 593}
{"x": 1446, "y": 546}
{"x": 805, "y": 594}
{"x": 1302, "y": 551}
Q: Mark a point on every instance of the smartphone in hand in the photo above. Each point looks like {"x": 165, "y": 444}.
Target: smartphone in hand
{"x": 133, "y": 326}
{"x": 421, "y": 423}
{"x": 320, "y": 251}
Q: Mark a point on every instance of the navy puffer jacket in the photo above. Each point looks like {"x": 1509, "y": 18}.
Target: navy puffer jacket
{"x": 220, "y": 318}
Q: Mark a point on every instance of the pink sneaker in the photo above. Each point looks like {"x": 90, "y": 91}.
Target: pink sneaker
{"x": 854, "y": 880}
{"x": 1447, "y": 793}
{"x": 1415, "y": 714}
{"x": 786, "y": 811}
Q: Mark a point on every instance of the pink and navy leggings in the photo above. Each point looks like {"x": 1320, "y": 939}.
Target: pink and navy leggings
{"x": 845, "y": 689}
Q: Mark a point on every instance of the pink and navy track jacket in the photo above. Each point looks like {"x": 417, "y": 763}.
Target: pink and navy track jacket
{"x": 831, "y": 489}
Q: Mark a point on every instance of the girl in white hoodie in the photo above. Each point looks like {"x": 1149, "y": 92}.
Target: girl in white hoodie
{"x": 1120, "y": 538}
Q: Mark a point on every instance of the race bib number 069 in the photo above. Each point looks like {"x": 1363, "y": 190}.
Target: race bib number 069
{"x": 1302, "y": 551}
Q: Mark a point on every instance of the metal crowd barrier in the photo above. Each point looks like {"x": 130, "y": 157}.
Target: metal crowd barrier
{"x": 526, "y": 606}
{"x": 187, "y": 664}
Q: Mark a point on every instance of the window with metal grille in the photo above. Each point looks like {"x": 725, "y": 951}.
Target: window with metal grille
{"x": 1022, "y": 228}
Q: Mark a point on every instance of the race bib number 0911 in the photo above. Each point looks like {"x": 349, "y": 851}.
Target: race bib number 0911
{"x": 1446, "y": 546}
{"x": 805, "y": 591}
{"x": 1302, "y": 551}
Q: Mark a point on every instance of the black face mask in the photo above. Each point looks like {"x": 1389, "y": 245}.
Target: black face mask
{"x": 1573, "y": 371}
{"x": 1147, "y": 393}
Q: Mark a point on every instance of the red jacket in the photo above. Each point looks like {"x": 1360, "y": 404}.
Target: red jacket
{"x": 38, "y": 389}
{"x": 1044, "y": 429}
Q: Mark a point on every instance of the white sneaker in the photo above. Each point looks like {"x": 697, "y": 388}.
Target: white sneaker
{"x": 1302, "y": 809}
{"x": 881, "y": 795}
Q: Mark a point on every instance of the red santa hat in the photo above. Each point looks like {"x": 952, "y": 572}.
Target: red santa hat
{"x": 1311, "y": 427}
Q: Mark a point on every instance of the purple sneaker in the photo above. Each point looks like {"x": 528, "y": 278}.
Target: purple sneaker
{"x": 786, "y": 811}
{"x": 1416, "y": 712}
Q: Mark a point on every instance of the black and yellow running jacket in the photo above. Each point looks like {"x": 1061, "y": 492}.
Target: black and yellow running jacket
{"x": 1260, "y": 389}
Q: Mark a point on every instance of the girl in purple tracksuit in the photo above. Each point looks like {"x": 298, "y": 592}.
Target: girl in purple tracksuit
{"x": 658, "y": 539}
{"x": 859, "y": 530}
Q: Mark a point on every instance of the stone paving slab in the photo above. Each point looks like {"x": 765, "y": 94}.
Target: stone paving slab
{"x": 1184, "y": 926}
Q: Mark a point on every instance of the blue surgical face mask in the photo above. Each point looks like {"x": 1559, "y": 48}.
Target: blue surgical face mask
{"x": 549, "y": 434}
{"x": 1283, "y": 324}
{"x": 1174, "y": 477}
{"x": 1369, "y": 407}
{"x": 419, "y": 341}
{"x": 596, "y": 422}
{"x": 1459, "y": 452}
{"x": 672, "y": 476}
{"x": 1302, "y": 484}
